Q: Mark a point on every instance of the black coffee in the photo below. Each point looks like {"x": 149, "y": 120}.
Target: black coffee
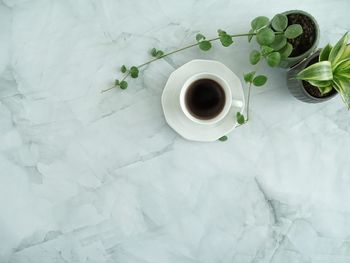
{"x": 205, "y": 99}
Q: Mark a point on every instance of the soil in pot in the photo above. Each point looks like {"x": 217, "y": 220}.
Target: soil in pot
{"x": 304, "y": 42}
{"x": 313, "y": 90}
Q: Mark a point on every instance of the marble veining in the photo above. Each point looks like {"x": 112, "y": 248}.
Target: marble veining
{"x": 91, "y": 177}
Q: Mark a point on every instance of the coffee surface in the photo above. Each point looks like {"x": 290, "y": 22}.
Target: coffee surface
{"x": 205, "y": 99}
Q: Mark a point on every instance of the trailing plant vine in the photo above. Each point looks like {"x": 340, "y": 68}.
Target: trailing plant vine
{"x": 271, "y": 35}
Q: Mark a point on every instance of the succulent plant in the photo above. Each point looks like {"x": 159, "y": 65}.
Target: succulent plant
{"x": 332, "y": 71}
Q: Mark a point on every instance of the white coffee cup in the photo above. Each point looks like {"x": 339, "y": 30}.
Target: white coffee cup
{"x": 217, "y": 79}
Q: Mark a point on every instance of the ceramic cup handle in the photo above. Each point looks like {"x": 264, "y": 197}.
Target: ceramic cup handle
{"x": 237, "y": 104}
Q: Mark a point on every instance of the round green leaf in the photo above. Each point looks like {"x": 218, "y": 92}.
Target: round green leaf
{"x": 279, "y": 22}
{"x": 123, "y": 69}
{"x": 254, "y": 57}
{"x": 159, "y": 53}
{"x": 223, "y": 138}
{"x": 240, "y": 118}
{"x": 265, "y": 36}
{"x": 221, "y": 32}
{"x": 260, "y": 22}
{"x": 204, "y": 45}
{"x": 279, "y": 42}
{"x": 199, "y": 37}
{"x": 226, "y": 40}
{"x": 248, "y": 77}
{"x": 265, "y": 50}
{"x": 259, "y": 80}
{"x": 286, "y": 50}
{"x": 293, "y": 31}
{"x": 116, "y": 82}
{"x": 134, "y": 72}
{"x": 273, "y": 59}
{"x": 123, "y": 84}
{"x": 153, "y": 52}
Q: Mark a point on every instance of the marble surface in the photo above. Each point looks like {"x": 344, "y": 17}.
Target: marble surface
{"x": 91, "y": 177}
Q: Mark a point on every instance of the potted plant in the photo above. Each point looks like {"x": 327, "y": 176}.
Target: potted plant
{"x": 323, "y": 75}
{"x": 289, "y": 37}
{"x": 306, "y": 43}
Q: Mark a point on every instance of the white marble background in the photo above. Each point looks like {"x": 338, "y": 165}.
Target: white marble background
{"x": 86, "y": 177}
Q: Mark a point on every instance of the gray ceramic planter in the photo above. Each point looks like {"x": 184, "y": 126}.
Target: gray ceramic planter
{"x": 296, "y": 86}
{"x": 291, "y": 61}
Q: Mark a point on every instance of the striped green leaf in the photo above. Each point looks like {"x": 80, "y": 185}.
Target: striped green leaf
{"x": 338, "y": 50}
{"x": 343, "y": 87}
{"x": 342, "y": 73}
{"x": 343, "y": 64}
{"x": 320, "y": 83}
{"x": 325, "y": 53}
{"x": 319, "y": 71}
{"x": 342, "y": 69}
{"x": 325, "y": 90}
{"x": 346, "y": 53}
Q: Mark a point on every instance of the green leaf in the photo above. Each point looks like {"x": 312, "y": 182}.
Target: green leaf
{"x": 265, "y": 36}
{"x": 265, "y": 50}
{"x": 293, "y": 31}
{"x": 123, "y": 84}
{"x": 250, "y": 37}
{"x": 320, "y": 83}
{"x": 221, "y": 32}
{"x": 153, "y": 52}
{"x": 254, "y": 57}
{"x": 204, "y": 45}
{"x": 343, "y": 87}
{"x": 134, "y": 72}
{"x": 159, "y": 53}
{"x": 342, "y": 73}
{"x": 346, "y": 53}
{"x": 123, "y": 69}
{"x": 341, "y": 65}
{"x": 324, "y": 54}
{"x": 286, "y": 50}
{"x": 199, "y": 37}
{"x": 318, "y": 71}
{"x": 248, "y": 77}
{"x": 259, "y": 80}
{"x": 240, "y": 118}
{"x": 226, "y": 40}
{"x": 273, "y": 59}
{"x": 279, "y": 42}
{"x": 116, "y": 82}
{"x": 338, "y": 50}
{"x": 325, "y": 90}
{"x": 279, "y": 22}
{"x": 342, "y": 69}
{"x": 260, "y": 22}
{"x": 223, "y": 138}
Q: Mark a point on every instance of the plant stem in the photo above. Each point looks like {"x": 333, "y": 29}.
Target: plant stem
{"x": 176, "y": 51}
{"x": 193, "y": 45}
{"x": 248, "y": 100}
{"x": 181, "y": 49}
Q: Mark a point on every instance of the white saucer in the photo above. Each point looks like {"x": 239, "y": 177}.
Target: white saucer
{"x": 178, "y": 120}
